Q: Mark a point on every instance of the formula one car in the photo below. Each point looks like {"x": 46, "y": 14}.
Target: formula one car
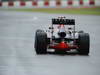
{"x": 62, "y": 37}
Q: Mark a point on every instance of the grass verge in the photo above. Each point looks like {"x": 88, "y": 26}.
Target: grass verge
{"x": 83, "y": 11}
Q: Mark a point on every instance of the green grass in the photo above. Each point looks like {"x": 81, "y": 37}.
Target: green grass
{"x": 84, "y": 11}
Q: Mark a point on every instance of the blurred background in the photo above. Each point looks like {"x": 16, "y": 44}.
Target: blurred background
{"x": 61, "y": 6}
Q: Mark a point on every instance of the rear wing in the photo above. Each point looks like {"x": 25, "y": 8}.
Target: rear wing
{"x": 63, "y": 21}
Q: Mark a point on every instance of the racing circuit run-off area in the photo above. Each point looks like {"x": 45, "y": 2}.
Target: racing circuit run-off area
{"x": 17, "y": 53}
{"x": 50, "y": 37}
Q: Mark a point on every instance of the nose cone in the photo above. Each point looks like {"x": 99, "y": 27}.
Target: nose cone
{"x": 62, "y": 34}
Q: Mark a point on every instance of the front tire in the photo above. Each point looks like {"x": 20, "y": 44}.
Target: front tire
{"x": 40, "y": 42}
{"x": 84, "y": 43}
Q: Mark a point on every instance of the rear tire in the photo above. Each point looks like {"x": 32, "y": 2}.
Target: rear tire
{"x": 83, "y": 43}
{"x": 40, "y": 42}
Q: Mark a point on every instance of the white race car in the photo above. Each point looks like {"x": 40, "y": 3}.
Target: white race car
{"x": 62, "y": 37}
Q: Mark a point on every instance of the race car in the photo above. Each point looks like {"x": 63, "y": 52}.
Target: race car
{"x": 62, "y": 37}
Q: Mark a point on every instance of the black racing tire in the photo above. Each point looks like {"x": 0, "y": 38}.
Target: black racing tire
{"x": 37, "y": 31}
{"x": 40, "y": 42}
{"x": 84, "y": 43}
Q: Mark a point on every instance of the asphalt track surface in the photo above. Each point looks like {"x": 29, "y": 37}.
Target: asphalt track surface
{"x": 17, "y": 53}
